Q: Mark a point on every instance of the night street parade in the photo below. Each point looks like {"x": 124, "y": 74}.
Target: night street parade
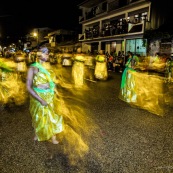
{"x": 97, "y": 99}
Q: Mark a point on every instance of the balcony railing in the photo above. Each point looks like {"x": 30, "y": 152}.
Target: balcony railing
{"x": 111, "y": 30}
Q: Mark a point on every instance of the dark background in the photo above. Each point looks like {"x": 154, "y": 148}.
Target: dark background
{"x": 18, "y": 18}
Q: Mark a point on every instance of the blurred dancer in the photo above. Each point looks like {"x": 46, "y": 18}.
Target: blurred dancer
{"x": 127, "y": 83}
{"x": 40, "y": 85}
{"x": 78, "y": 68}
{"x": 12, "y": 89}
{"x": 55, "y": 117}
{"x": 101, "y": 71}
{"x": 6, "y": 77}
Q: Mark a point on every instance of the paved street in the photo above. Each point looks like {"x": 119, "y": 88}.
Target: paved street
{"x": 126, "y": 140}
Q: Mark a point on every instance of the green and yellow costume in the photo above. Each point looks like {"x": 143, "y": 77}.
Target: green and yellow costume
{"x": 128, "y": 92}
{"x": 12, "y": 89}
{"x": 45, "y": 120}
{"x": 146, "y": 91}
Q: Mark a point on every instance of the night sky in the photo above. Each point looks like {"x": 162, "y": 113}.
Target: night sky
{"x": 18, "y": 18}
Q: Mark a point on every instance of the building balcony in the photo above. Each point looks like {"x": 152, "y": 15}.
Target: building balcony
{"x": 106, "y": 9}
{"x": 110, "y": 32}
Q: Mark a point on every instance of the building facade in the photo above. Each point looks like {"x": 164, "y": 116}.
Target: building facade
{"x": 63, "y": 40}
{"x": 37, "y": 36}
{"x": 118, "y": 25}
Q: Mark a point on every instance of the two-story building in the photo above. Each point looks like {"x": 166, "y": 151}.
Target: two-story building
{"x": 118, "y": 25}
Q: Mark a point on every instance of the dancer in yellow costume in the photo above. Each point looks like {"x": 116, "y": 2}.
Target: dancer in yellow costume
{"x": 6, "y": 81}
{"x": 101, "y": 71}
{"x": 46, "y": 122}
{"x": 12, "y": 89}
{"x": 78, "y": 68}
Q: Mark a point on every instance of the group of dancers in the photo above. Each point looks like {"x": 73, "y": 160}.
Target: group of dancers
{"x": 55, "y": 119}
{"x": 52, "y": 118}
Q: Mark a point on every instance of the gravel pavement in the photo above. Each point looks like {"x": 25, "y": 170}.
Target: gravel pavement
{"x": 129, "y": 140}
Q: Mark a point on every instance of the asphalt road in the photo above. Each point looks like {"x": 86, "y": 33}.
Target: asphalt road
{"x": 120, "y": 138}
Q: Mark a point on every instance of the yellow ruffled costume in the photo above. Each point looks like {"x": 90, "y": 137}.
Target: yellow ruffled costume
{"x": 45, "y": 120}
{"x": 101, "y": 71}
{"x": 12, "y": 88}
{"x": 78, "y": 70}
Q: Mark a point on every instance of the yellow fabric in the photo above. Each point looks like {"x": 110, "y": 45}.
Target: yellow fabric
{"x": 79, "y": 58}
{"x": 149, "y": 92}
{"x": 12, "y": 88}
{"x": 101, "y": 71}
{"x": 45, "y": 120}
{"x": 100, "y": 58}
{"x": 21, "y": 66}
{"x": 78, "y": 73}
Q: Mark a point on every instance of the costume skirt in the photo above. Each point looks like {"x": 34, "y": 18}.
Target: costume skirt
{"x": 45, "y": 120}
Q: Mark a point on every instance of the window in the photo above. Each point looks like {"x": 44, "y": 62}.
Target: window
{"x": 137, "y": 46}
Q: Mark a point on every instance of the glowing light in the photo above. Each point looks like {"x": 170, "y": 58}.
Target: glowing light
{"x": 35, "y": 34}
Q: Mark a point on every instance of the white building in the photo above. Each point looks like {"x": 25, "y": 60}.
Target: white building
{"x": 118, "y": 25}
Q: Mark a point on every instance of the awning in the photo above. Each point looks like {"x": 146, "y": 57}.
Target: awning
{"x": 135, "y": 27}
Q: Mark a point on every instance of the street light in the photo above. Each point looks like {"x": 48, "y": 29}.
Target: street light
{"x": 36, "y": 35}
